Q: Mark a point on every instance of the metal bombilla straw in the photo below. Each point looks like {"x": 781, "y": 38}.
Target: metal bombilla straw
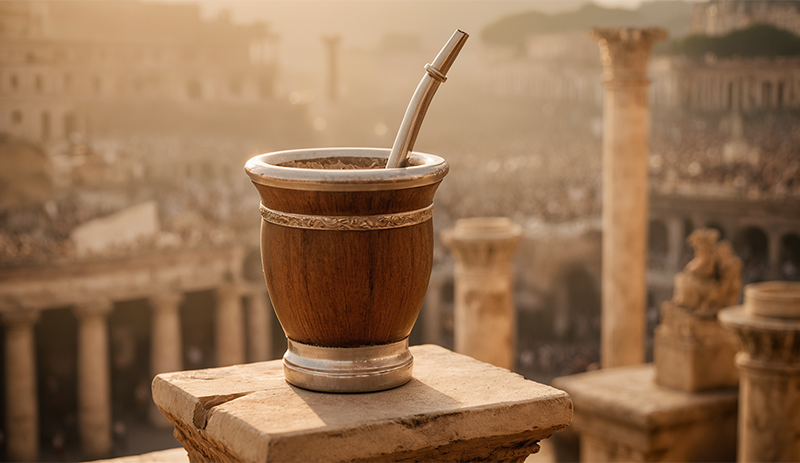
{"x": 418, "y": 106}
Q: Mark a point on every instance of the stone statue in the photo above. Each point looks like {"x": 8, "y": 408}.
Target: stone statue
{"x": 710, "y": 281}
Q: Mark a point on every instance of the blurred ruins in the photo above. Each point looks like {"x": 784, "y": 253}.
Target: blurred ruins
{"x": 124, "y": 127}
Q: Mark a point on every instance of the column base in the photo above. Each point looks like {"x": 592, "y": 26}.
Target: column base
{"x": 348, "y": 369}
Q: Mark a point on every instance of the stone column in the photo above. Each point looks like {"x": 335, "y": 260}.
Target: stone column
{"x": 22, "y": 407}
{"x": 774, "y": 255}
{"x": 94, "y": 395}
{"x": 624, "y": 53}
{"x": 484, "y": 277}
{"x": 259, "y": 326}
{"x": 675, "y": 240}
{"x": 768, "y": 326}
{"x": 166, "y": 350}
{"x": 229, "y": 326}
{"x": 332, "y": 48}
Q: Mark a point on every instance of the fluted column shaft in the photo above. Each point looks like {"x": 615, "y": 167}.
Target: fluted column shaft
{"x": 230, "y": 326}
{"x": 259, "y": 326}
{"x": 22, "y": 407}
{"x": 94, "y": 395}
{"x": 624, "y": 53}
{"x": 484, "y": 283}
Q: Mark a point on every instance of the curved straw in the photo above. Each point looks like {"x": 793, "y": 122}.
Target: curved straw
{"x": 435, "y": 74}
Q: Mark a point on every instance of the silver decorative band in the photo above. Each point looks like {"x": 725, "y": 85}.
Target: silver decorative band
{"x": 347, "y": 222}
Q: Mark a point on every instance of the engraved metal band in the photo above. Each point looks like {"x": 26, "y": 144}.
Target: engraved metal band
{"x": 347, "y": 222}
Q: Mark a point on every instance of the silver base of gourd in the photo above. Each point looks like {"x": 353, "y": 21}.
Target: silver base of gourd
{"x": 348, "y": 369}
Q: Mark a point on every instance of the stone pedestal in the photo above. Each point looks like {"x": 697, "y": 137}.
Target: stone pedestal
{"x": 229, "y": 324}
{"x": 484, "y": 284}
{"x": 22, "y": 411}
{"x": 769, "y": 364}
{"x": 621, "y": 414}
{"x": 693, "y": 353}
{"x": 94, "y": 394}
{"x": 624, "y": 53}
{"x": 454, "y": 409}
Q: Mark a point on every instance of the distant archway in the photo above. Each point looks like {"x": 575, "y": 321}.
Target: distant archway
{"x": 751, "y": 245}
{"x": 657, "y": 244}
{"x": 583, "y": 304}
{"x": 790, "y": 257}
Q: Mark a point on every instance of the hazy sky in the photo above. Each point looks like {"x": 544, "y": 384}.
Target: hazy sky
{"x": 362, "y": 23}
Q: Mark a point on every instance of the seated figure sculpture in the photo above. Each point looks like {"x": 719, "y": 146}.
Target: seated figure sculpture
{"x": 710, "y": 281}
{"x": 691, "y": 351}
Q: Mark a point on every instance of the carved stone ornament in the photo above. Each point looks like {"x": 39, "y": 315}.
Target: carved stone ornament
{"x": 350, "y": 222}
{"x": 624, "y": 51}
{"x": 710, "y": 281}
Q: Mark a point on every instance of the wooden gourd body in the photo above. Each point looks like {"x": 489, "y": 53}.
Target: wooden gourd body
{"x": 347, "y": 288}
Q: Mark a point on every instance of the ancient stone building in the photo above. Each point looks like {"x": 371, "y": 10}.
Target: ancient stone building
{"x": 718, "y": 17}
{"x": 62, "y": 63}
{"x": 122, "y": 250}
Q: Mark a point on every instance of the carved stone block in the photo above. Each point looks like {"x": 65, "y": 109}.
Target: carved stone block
{"x": 693, "y": 353}
{"x": 621, "y": 414}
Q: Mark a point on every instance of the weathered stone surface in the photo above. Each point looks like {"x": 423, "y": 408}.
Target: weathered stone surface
{"x": 693, "y": 353}
{"x": 769, "y": 415}
{"x": 779, "y": 299}
{"x": 177, "y": 455}
{"x": 621, "y": 414}
{"x": 455, "y": 408}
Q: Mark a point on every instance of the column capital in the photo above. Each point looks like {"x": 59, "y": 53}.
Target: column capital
{"x": 20, "y": 317}
{"x": 93, "y": 307}
{"x": 166, "y": 300}
{"x": 229, "y": 289}
{"x": 767, "y": 343}
{"x": 483, "y": 241}
{"x": 624, "y": 52}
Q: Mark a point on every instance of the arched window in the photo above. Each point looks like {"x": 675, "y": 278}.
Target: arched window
{"x": 583, "y": 304}
{"x": 657, "y": 244}
{"x": 790, "y": 257}
{"x": 751, "y": 245}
